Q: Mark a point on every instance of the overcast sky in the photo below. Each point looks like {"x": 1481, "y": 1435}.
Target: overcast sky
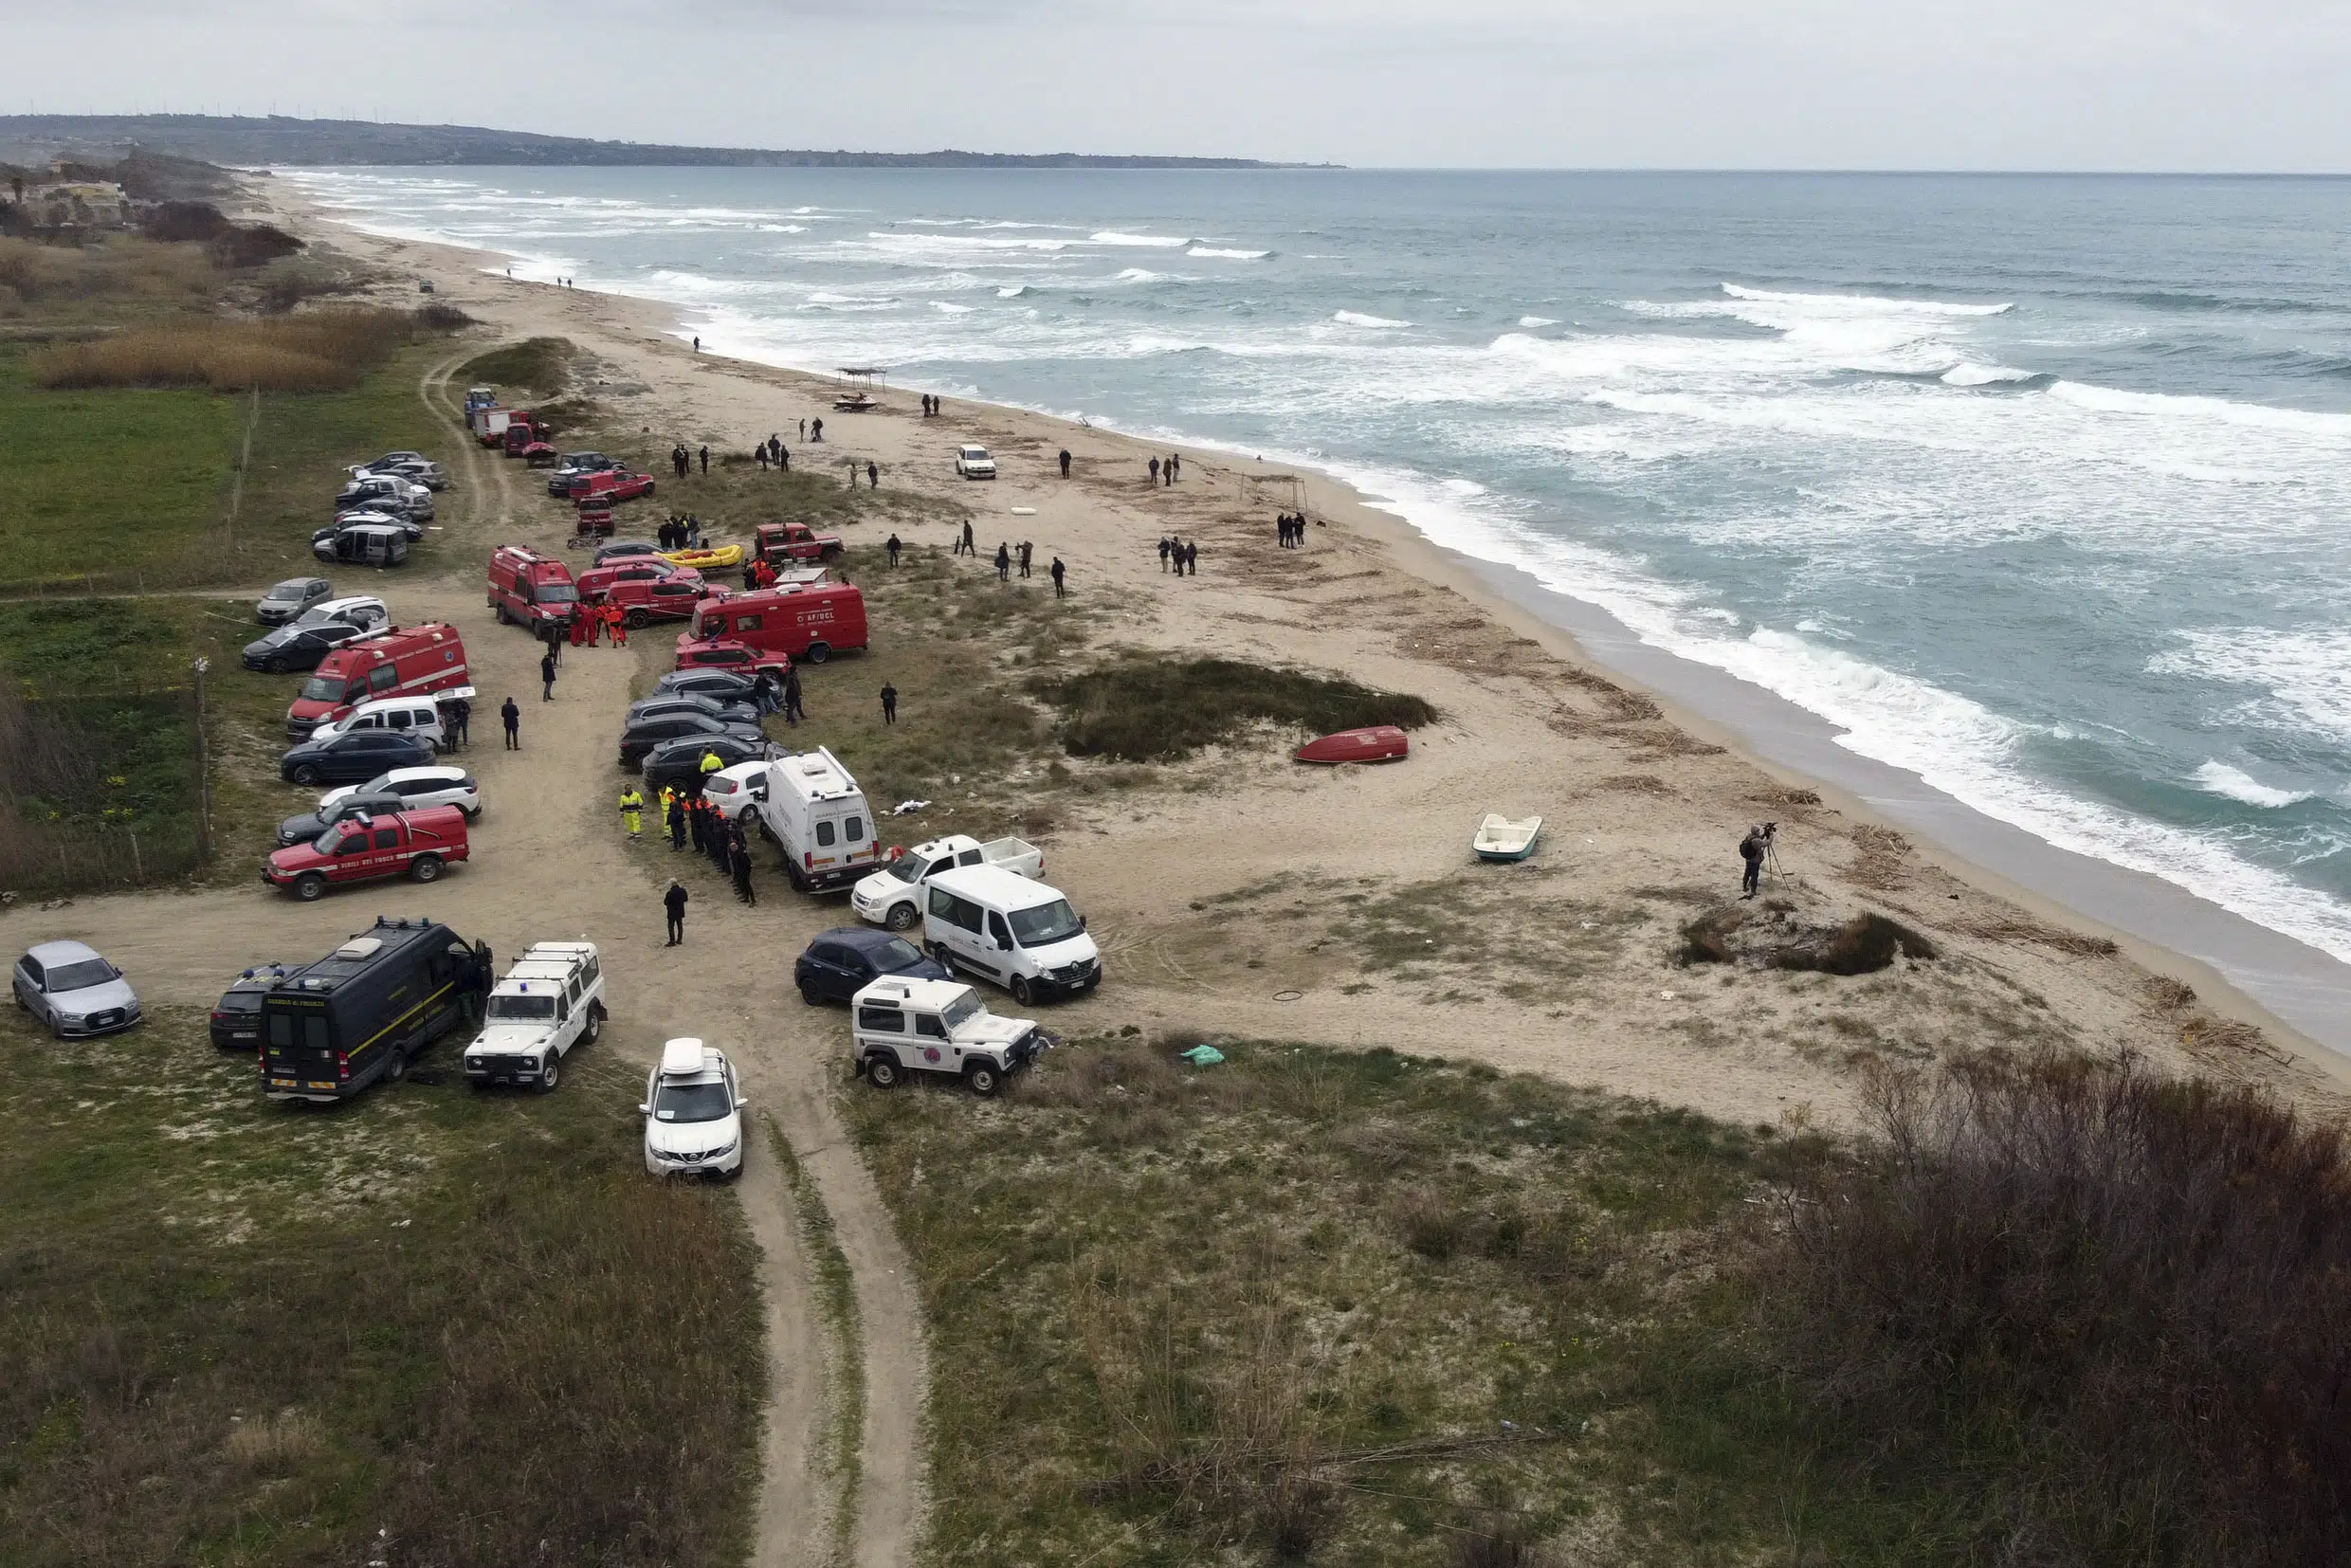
{"x": 2140, "y": 84}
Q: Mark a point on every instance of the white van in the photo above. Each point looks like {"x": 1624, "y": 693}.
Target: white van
{"x": 1021, "y": 934}
{"x": 814, "y": 810}
{"x": 416, "y": 717}
{"x": 363, "y": 610}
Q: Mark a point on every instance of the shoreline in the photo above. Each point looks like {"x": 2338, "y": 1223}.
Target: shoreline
{"x": 2252, "y": 974}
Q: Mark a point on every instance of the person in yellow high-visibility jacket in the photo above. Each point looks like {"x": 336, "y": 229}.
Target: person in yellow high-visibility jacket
{"x": 712, "y": 762}
{"x": 632, "y": 810}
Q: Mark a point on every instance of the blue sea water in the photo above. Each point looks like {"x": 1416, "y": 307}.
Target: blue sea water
{"x": 2033, "y": 486}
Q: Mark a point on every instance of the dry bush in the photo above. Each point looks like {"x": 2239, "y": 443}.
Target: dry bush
{"x": 1862, "y": 945}
{"x": 1880, "y": 858}
{"x": 273, "y": 1445}
{"x": 2167, "y": 995}
{"x": 2016, "y": 928}
{"x": 317, "y": 350}
{"x": 1506, "y": 1545}
{"x": 2116, "y": 1302}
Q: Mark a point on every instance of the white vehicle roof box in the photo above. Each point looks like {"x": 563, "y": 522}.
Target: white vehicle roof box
{"x": 681, "y": 1058}
{"x": 559, "y": 953}
{"x": 818, "y": 775}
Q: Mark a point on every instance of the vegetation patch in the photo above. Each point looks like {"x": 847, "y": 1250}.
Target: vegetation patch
{"x": 539, "y": 364}
{"x": 316, "y": 351}
{"x": 431, "y": 1326}
{"x": 1157, "y": 710}
{"x": 1772, "y": 936}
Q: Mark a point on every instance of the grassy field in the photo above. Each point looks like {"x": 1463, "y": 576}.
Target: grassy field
{"x": 427, "y": 1328}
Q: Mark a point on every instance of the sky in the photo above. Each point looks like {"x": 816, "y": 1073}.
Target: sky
{"x": 2108, "y": 84}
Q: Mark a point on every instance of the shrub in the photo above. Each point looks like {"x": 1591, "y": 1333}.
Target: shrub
{"x": 541, "y": 364}
{"x": 1154, "y": 710}
{"x": 441, "y": 318}
{"x": 1862, "y": 945}
{"x": 251, "y": 244}
{"x": 2115, "y": 1303}
{"x": 318, "y": 351}
{"x": 179, "y": 222}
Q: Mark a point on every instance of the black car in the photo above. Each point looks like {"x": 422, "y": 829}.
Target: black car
{"x": 613, "y": 550}
{"x": 352, "y": 758}
{"x": 306, "y": 828}
{"x": 237, "y": 1016}
{"x": 299, "y": 647}
{"x": 842, "y": 961}
{"x": 663, "y": 702}
{"x": 681, "y": 761}
{"x": 640, "y": 736}
{"x": 723, "y": 685}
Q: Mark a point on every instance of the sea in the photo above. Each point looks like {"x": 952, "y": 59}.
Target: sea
{"x": 2035, "y": 487}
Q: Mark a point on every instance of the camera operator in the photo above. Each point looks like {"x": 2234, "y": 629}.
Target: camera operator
{"x": 1752, "y": 850}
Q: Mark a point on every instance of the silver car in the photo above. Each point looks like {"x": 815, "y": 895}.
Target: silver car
{"x": 74, "y": 991}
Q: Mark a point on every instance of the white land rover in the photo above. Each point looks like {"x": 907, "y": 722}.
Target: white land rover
{"x": 906, "y": 1026}
{"x": 974, "y": 463}
{"x": 551, "y": 1000}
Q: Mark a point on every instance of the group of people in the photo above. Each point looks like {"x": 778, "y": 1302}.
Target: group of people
{"x": 773, "y": 453}
{"x": 930, "y": 406}
{"x": 691, "y": 817}
{"x": 1161, "y": 473}
{"x": 1007, "y": 557}
{"x": 680, "y": 532}
{"x": 681, "y": 460}
{"x": 1184, "y": 557}
{"x": 1289, "y": 532}
{"x": 594, "y": 623}
{"x": 759, "y": 572}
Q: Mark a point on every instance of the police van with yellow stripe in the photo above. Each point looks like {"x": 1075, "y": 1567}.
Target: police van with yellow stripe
{"x": 370, "y": 1007}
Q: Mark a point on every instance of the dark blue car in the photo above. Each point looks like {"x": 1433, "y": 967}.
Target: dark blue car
{"x": 845, "y": 961}
{"x": 352, "y": 758}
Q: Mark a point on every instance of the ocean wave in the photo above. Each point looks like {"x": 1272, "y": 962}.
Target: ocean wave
{"x": 2303, "y": 674}
{"x": 1212, "y": 252}
{"x": 951, "y": 308}
{"x": 2179, "y": 406}
{"x": 1968, "y": 373}
{"x": 1864, "y": 302}
{"x": 2218, "y": 777}
{"x": 1359, "y": 319}
{"x": 1149, "y": 241}
{"x": 1139, "y": 275}
{"x": 1013, "y": 292}
{"x": 1536, "y": 321}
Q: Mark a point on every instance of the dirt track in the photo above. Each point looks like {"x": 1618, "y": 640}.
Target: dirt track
{"x": 550, "y": 862}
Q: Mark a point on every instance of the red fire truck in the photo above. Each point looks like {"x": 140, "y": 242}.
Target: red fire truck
{"x": 531, "y": 589}
{"x": 810, "y": 621}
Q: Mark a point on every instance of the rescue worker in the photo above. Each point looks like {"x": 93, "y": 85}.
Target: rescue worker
{"x": 698, "y": 817}
{"x": 674, "y": 901}
{"x": 586, "y": 621}
{"x": 738, "y": 862}
{"x": 620, "y": 626}
{"x": 632, "y": 812}
{"x": 673, "y": 816}
{"x": 721, "y": 838}
{"x": 712, "y": 762}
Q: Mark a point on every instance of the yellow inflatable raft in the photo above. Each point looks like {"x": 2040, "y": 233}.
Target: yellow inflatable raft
{"x": 719, "y": 556}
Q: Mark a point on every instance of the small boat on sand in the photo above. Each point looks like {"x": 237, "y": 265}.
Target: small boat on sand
{"x": 712, "y": 556}
{"x": 1498, "y": 838}
{"x": 1377, "y": 743}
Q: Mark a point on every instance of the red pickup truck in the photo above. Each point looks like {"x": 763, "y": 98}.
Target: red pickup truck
{"x": 776, "y": 542}
{"x": 415, "y": 843}
{"x": 612, "y": 485}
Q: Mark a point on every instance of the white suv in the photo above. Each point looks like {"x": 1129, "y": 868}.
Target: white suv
{"x": 551, "y": 1000}
{"x": 974, "y": 463}
{"x": 693, "y": 1113}
{"x": 905, "y": 1027}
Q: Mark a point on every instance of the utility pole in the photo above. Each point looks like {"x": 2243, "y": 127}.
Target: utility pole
{"x": 204, "y": 777}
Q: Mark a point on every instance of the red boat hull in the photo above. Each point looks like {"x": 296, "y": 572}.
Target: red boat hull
{"x": 1379, "y": 744}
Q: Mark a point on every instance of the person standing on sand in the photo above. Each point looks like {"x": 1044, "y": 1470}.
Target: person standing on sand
{"x": 1175, "y": 466}
{"x": 674, "y": 813}
{"x": 1065, "y": 462}
{"x": 1191, "y": 558}
{"x": 873, "y": 476}
{"x": 738, "y": 862}
{"x": 513, "y": 718}
{"x": 632, "y": 812}
{"x": 706, "y": 460}
{"x": 1059, "y": 572}
{"x": 969, "y": 548}
{"x": 1028, "y": 554}
{"x": 1166, "y": 547}
{"x": 546, "y": 677}
{"x": 817, "y": 429}
{"x": 1155, "y": 473}
{"x": 804, "y": 429}
{"x": 1004, "y": 562}
{"x": 1751, "y": 850}
{"x": 674, "y": 901}
{"x": 461, "y": 719}
{"x": 889, "y": 704}
{"x": 893, "y": 547}
{"x": 759, "y": 454}
{"x": 783, "y": 459}
{"x": 697, "y": 345}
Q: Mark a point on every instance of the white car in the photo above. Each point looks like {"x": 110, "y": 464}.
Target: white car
{"x": 693, "y": 1113}
{"x": 549, "y": 1001}
{"x": 737, "y": 790}
{"x": 974, "y": 463}
{"x": 69, "y": 987}
{"x": 418, "y": 788}
{"x": 893, "y": 896}
{"x": 361, "y": 610}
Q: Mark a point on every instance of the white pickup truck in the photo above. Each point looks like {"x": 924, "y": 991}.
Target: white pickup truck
{"x": 892, "y": 897}
{"x": 551, "y": 1000}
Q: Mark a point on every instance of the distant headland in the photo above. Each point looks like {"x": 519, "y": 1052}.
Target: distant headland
{"x": 284, "y": 140}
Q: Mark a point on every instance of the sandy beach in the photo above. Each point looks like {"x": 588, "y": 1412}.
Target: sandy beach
{"x": 1240, "y": 894}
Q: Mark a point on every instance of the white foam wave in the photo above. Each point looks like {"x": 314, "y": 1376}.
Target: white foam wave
{"x": 1152, "y": 241}
{"x": 1359, "y": 318}
{"x": 950, "y": 308}
{"x": 1968, "y": 373}
{"x": 1210, "y": 252}
{"x": 1014, "y": 292}
{"x": 2219, "y": 778}
{"x": 1139, "y": 275}
{"x": 2303, "y": 674}
{"x": 1536, "y": 321}
{"x": 1865, "y": 301}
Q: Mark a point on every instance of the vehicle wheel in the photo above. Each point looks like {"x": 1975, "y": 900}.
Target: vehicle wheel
{"x": 549, "y": 1075}
{"x": 817, "y": 653}
{"x": 984, "y": 1080}
{"x": 882, "y": 1072}
{"x": 399, "y": 1067}
{"x": 1022, "y": 991}
{"x": 900, "y": 918}
{"x": 595, "y": 1025}
{"x": 275, "y": 664}
{"x": 809, "y": 994}
{"x": 829, "y": 554}
{"x": 501, "y": 612}
{"x": 310, "y": 886}
{"x": 791, "y": 874}
{"x": 425, "y": 867}
{"x": 307, "y": 776}
{"x": 635, "y": 620}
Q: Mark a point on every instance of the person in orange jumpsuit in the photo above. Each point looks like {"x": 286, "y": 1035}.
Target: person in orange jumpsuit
{"x": 578, "y": 628}
{"x": 620, "y": 625}
{"x": 594, "y": 617}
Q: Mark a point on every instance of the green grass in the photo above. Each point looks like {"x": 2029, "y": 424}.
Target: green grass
{"x": 1157, "y": 710}
{"x": 238, "y": 1334}
{"x": 536, "y": 364}
{"x": 1283, "y": 1307}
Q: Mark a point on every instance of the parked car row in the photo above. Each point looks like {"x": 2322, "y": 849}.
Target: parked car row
{"x": 381, "y": 509}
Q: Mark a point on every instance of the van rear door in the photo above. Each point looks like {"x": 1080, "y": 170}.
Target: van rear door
{"x": 297, "y": 1047}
